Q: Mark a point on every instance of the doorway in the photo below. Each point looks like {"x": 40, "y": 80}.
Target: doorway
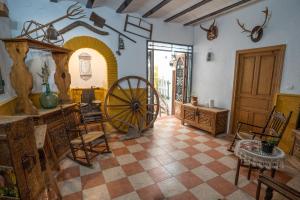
{"x": 257, "y": 79}
{"x": 169, "y": 68}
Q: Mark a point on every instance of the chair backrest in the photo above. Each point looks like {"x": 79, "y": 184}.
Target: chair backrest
{"x": 74, "y": 119}
{"x": 277, "y": 124}
{"x": 88, "y": 95}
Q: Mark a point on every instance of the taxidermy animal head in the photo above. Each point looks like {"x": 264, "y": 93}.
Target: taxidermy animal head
{"x": 212, "y": 31}
{"x": 257, "y": 32}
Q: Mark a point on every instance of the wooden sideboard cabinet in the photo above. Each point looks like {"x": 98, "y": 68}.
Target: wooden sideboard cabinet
{"x": 19, "y": 158}
{"x": 213, "y": 120}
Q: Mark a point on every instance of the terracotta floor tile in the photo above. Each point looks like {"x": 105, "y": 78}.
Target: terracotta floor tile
{"x": 212, "y": 144}
{"x": 251, "y": 189}
{"x": 151, "y": 192}
{"x": 159, "y": 174}
{"x": 141, "y": 155}
{"x": 183, "y": 196}
{"x": 190, "y": 163}
{"x": 108, "y": 163}
{"x": 92, "y": 180}
{"x": 214, "y": 154}
{"x": 222, "y": 186}
{"x": 190, "y": 150}
{"x": 69, "y": 173}
{"x": 148, "y": 145}
{"x": 130, "y": 142}
{"x": 218, "y": 167}
{"x": 191, "y": 134}
{"x": 282, "y": 177}
{"x": 132, "y": 168}
{"x": 189, "y": 180}
{"x": 119, "y": 187}
{"x": 74, "y": 196}
{"x": 120, "y": 151}
{"x": 191, "y": 141}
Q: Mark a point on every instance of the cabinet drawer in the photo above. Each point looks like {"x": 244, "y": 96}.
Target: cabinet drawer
{"x": 189, "y": 114}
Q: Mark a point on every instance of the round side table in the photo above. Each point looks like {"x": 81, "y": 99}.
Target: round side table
{"x": 250, "y": 152}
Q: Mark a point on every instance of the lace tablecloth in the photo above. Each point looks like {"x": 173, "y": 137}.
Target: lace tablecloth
{"x": 250, "y": 151}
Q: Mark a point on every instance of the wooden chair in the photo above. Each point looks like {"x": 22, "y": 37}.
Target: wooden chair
{"x": 90, "y": 109}
{"x": 274, "y": 128}
{"x": 83, "y": 142}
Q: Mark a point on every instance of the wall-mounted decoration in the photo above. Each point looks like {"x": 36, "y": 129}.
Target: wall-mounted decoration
{"x": 257, "y": 32}
{"x": 4, "y": 12}
{"x": 100, "y": 22}
{"x": 48, "y": 99}
{"x": 85, "y": 67}
{"x": 212, "y": 31}
{"x": 83, "y": 24}
{"x": 46, "y": 32}
{"x": 1, "y": 83}
{"x": 138, "y": 26}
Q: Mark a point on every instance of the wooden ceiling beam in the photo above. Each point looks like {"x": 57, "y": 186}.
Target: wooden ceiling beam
{"x": 123, "y": 6}
{"x": 217, "y": 12}
{"x": 193, "y": 7}
{"x": 156, "y": 8}
{"x": 90, "y": 3}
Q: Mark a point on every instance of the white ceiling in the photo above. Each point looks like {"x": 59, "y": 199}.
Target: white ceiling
{"x": 170, "y": 9}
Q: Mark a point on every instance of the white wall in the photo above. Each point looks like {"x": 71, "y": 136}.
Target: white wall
{"x": 98, "y": 66}
{"x": 215, "y": 79}
{"x": 132, "y": 60}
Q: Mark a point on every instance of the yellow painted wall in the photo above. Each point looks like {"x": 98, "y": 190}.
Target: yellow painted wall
{"x": 286, "y": 103}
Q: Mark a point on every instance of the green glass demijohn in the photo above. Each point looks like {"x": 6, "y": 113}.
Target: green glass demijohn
{"x": 48, "y": 99}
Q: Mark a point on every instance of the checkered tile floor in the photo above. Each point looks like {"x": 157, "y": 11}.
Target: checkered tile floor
{"x": 170, "y": 161}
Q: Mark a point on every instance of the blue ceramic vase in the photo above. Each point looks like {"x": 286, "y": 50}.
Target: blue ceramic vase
{"x": 48, "y": 99}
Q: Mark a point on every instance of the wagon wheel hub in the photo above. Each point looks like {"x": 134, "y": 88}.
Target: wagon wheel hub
{"x": 135, "y": 106}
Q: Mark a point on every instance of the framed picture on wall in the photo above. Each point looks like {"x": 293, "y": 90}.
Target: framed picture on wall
{"x": 1, "y": 83}
{"x": 85, "y": 67}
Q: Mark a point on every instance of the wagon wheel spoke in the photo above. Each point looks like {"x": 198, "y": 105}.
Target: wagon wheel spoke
{"x": 123, "y": 121}
{"x": 121, "y": 99}
{"x": 118, "y": 106}
{"x": 123, "y": 91}
{"x": 123, "y": 111}
{"x": 137, "y": 88}
{"x": 130, "y": 88}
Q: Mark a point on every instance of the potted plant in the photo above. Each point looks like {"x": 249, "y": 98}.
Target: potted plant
{"x": 268, "y": 145}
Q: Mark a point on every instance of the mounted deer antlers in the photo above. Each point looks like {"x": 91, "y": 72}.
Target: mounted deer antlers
{"x": 212, "y": 31}
{"x": 257, "y": 32}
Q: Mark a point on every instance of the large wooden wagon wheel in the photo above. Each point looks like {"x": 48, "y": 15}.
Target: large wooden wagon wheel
{"x": 128, "y": 104}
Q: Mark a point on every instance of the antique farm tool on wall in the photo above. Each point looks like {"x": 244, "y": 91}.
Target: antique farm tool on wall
{"x": 46, "y": 32}
{"x": 121, "y": 45}
{"x": 100, "y": 22}
{"x": 128, "y": 107}
{"x": 138, "y": 26}
{"x": 257, "y": 32}
{"x": 212, "y": 31}
{"x": 83, "y": 24}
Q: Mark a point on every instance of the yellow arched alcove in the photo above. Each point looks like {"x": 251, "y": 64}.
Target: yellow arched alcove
{"x": 93, "y": 43}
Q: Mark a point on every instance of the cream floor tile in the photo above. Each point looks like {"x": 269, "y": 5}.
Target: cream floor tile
{"x": 156, "y": 151}
{"x": 116, "y": 145}
{"x": 171, "y": 187}
{"x": 239, "y": 195}
{"x": 96, "y": 193}
{"x": 149, "y": 163}
{"x": 70, "y": 186}
{"x": 202, "y": 147}
{"x": 130, "y": 196}
{"x": 182, "y": 137}
{"x": 89, "y": 170}
{"x": 143, "y": 140}
{"x": 140, "y": 180}
{"x": 183, "y": 130}
{"x": 203, "y": 158}
{"x": 180, "y": 145}
{"x": 135, "y": 148}
{"x": 201, "y": 139}
{"x": 204, "y": 191}
{"x": 113, "y": 174}
{"x": 204, "y": 173}
{"x": 176, "y": 168}
{"x": 126, "y": 159}
{"x": 230, "y": 176}
{"x": 178, "y": 155}
{"x": 228, "y": 161}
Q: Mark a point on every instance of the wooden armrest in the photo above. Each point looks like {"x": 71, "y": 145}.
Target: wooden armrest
{"x": 243, "y": 123}
{"x": 281, "y": 188}
{"x": 263, "y": 134}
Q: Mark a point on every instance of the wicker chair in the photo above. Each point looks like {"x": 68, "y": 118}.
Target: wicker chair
{"x": 274, "y": 128}
{"x": 83, "y": 142}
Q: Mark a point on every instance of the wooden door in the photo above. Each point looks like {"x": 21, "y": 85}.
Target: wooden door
{"x": 180, "y": 83}
{"x": 257, "y": 80}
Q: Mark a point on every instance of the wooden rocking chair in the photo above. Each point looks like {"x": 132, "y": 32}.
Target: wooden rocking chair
{"x": 274, "y": 129}
{"x": 83, "y": 143}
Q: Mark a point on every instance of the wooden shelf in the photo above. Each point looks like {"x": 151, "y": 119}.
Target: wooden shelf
{"x": 34, "y": 44}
